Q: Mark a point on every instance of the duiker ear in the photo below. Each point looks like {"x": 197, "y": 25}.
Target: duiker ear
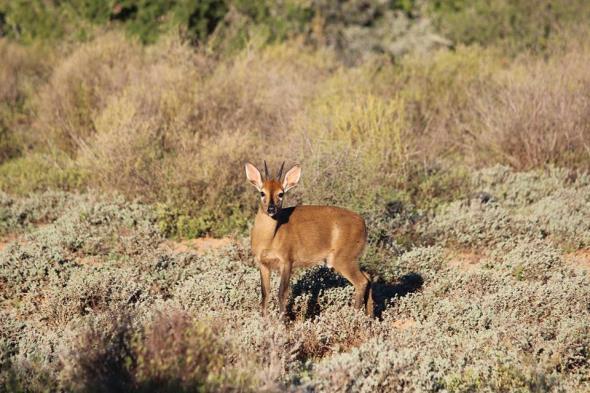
{"x": 253, "y": 176}
{"x": 292, "y": 178}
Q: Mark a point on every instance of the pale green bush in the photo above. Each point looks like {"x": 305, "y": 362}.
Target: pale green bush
{"x": 508, "y": 207}
{"x": 96, "y": 299}
{"x": 520, "y": 189}
{"x": 22, "y": 214}
{"x": 476, "y": 224}
{"x": 565, "y": 215}
{"x": 533, "y": 261}
{"x": 114, "y": 230}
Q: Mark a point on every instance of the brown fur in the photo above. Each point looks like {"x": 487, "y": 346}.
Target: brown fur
{"x": 304, "y": 236}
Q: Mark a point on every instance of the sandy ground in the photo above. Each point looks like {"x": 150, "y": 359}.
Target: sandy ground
{"x": 470, "y": 261}
{"x": 199, "y": 245}
{"x": 7, "y": 239}
{"x": 465, "y": 260}
{"x": 580, "y": 259}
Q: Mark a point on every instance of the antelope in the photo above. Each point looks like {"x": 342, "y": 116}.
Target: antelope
{"x": 302, "y": 236}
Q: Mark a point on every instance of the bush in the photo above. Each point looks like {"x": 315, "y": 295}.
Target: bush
{"x": 536, "y": 115}
{"x": 507, "y": 207}
{"x": 79, "y": 20}
{"x": 24, "y": 214}
{"x": 174, "y": 125}
{"x": 170, "y": 145}
{"x": 530, "y": 261}
{"x": 517, "y": 25}
{"x": 178, "y": 353}
{"x": 96, "y": 300}
{"x": 41, "y": 172}
{"x": 81, "y": 86}
{"x": 20, "y": 72}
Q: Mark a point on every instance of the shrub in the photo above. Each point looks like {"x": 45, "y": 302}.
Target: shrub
{"x": 530, "y": 261}
{"x": 476, "y": 224}
{"x": 22, "y": 69}
{"x": 536, "y": 114}
{"x": 359, "y": 30}
{"x": 170, "y": 146}
{"x": 178, "y": 353}
{"x": 78, "y": 20}
{"x": 95, "y": 300}
{"x": 521, "y": 189}
{"x": 114, "y": 230}
{"x": 517, "y": 25}
{"x": 81, "y": 86}
{"x": 99, "y": 357}
{"x": 564, "y": 216}
{"x": 39, "y": 172}
{"x": 22, "y": 214}
{"x": 174, "y": 125}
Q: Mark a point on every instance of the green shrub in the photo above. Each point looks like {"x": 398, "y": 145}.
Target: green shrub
{"x": 518, "y": 25}
{"x": 507, "y": 206}
{"x": 41, "y": 172}
{"x": 81, "y": 19}
{"x": 22, "y": 214}
{"x": 533, "y": 261}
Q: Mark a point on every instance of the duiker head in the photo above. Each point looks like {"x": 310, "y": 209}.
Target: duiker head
{"x": 272, "y": 190}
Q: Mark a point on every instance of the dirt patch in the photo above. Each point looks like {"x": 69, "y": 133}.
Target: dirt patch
{"x": 200, "y": 245}
{"x": 466, "y": 260}
{"x": 579, "y": 259}
{"x": 89, "y": 260}
{"x": 7, "y": 239}
{"x": 403, "y": 324}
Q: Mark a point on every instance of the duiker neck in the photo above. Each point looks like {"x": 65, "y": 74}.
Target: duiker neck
{"x": 264, "y": 230}
{"x": 264, "y": 224}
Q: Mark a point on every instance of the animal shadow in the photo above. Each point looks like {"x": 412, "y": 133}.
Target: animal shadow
{"x": 384, "y": 292}
{"x": 314, "y": 281}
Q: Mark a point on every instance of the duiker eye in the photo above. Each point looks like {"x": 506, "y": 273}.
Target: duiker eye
{"x": 262, "y": 194}
{"x": 281, "y": 194}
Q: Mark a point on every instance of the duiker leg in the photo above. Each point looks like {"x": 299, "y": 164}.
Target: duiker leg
{"x": 285, "y": 269}
{"x": 370, "y": 304}
{"x": 360, "y": 282}
{"x": 265, "y": 287}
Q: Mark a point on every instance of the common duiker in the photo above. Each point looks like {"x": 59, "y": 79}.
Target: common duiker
{"x": 302, "y": 236}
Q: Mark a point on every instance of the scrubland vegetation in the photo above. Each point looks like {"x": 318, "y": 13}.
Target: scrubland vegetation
{"x": 459, "y": 130}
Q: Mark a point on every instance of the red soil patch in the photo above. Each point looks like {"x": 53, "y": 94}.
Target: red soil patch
{"x": 5, "y": 240}
{"x": 466, "y": 261}
{"x": 89, "y": 260}
{"x": 403, "y": 324}
{"x": 200, "y": 245}
{"x": 579, "y": 259}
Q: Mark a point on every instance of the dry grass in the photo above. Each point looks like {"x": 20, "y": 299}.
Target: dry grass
{"x": 173, "y": 125}
{"x": 538, "y": 113}
{"x": 21, "y": 71}
{"x": 80, "y": 87}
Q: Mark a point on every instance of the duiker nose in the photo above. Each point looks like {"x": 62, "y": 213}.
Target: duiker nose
{"x": 272, "y": 209}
